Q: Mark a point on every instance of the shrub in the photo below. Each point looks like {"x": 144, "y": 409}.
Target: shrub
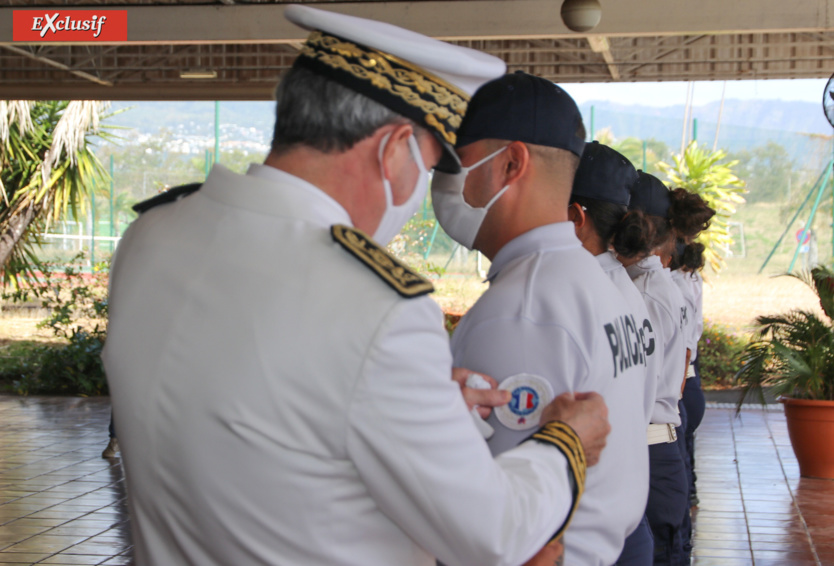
{"x": 717, "y": 352}
{"x": 78, "y": 305}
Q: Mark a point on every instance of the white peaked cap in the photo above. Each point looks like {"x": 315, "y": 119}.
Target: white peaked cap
{"x": 465, "y": 68}
{"x": 420, "y": 78}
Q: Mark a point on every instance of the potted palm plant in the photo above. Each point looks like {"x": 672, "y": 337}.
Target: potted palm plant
{"x": 792, "y": 354}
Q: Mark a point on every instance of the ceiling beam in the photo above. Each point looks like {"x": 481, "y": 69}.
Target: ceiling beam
{"x": 474, "y": 19}
{"x": 57, "y": 65}
{"x": 180, "y": 90}
{"x": 599, "y": 44}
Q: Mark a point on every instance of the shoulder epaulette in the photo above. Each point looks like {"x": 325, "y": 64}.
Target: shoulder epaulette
{"x": 172, "y": 194}
{"x": 402, "y": 278}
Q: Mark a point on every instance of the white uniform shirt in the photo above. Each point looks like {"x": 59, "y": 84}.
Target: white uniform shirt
{"x": 618, "y": 275}
{"x": 696, "y": 281}
{"x": 684, "y": 282}
{"x": 551, "y": 313}
{"x": 278, "y": 403}
{"x": 666, "y": 309}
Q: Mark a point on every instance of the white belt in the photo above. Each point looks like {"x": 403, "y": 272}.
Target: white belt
{"x": 660, "y": 433}
{"x": 690, "y": 371}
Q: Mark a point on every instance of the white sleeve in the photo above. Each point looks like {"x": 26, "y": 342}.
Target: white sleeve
{"x": 698, "y": 291}
{"x": 427, "y": 467}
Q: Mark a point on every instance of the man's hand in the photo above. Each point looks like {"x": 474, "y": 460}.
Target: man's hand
{"x": 484, "y": 399}
{"x": 551, "y": 555}
{"x": 587, "y": 415}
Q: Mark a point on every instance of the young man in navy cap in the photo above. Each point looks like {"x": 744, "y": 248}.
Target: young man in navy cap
{"x": 280, "y": 383}
{"x": 551, "y": 321}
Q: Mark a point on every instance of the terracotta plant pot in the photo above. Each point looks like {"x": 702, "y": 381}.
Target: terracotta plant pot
{"x": 811, "y": 428}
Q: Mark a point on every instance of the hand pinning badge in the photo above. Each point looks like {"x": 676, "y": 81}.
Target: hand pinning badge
{"x": 476, "y": 381}
{"x": 530, "y": 395}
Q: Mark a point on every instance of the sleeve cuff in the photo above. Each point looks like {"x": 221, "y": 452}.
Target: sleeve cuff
{"x": 567, "y": 442}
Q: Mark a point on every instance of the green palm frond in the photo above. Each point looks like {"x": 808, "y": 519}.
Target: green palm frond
{"x": 793, "y": 354}
{"x": 707, "y": 174}
{"x": 47, "y": 170}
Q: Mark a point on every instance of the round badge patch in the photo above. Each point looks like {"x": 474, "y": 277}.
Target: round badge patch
{"x": 530, "y": 395}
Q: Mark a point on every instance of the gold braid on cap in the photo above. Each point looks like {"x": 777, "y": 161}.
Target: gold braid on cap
{"x": 393, "y": 82}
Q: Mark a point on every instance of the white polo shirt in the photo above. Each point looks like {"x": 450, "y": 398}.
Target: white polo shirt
{"x": 619, "y": 276}
{"x": 668, "y": 312}
{"x": 550, "y": 322}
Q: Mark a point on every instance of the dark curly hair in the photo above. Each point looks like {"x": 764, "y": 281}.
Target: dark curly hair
{"x": 688, "y": 213}
{"x": 631, "y": 233}
{"x": 688, "y": 257}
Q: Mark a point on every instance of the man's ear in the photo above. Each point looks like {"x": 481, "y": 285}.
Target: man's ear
{"x": 515, "y": 161}
{"x": 396, "y": 150}
{"x": 576, "y": 214}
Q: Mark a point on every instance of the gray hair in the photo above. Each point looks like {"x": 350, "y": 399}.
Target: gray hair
{"x": 315, "y": 111}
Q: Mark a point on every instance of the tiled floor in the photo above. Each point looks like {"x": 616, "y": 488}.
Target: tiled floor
{"x": 754, "y": 508}
{"x": 61, "y": 503}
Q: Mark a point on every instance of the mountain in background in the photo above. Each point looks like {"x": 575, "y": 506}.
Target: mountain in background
{"x": 799, "y": 117}
{"x": 194, "y": 117}
{"x": 800, "y": 127}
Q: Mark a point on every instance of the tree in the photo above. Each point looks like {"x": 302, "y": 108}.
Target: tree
{"x": 707, "y": 174}
{"x": 47, "y": 169}
{"x": 768, "y": 171}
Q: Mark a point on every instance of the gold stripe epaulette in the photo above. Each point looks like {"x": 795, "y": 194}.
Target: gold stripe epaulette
{"x": 566, "y": 440}
{"x": 399, "y": 276}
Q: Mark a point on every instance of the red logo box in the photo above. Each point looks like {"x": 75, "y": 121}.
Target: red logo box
{"x": 46, "y": 25}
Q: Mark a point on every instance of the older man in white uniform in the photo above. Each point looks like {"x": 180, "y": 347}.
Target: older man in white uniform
{"x": 281, "y": 385}
{"x": 551, "y": 320}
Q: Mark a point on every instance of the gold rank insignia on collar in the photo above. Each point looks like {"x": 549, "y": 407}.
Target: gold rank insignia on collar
{"x": 399, "y": 276}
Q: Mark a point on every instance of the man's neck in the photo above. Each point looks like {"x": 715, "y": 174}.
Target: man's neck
{"x": 527, "y": 215}
{"x": 343, "y": 176}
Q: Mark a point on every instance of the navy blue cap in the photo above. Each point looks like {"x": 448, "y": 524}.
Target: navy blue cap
{"x": 604, "y": 174}
{"x": 525, "y": 108}
{"x": 650, "y": 195}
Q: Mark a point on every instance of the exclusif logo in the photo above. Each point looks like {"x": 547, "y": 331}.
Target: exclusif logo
{"x": 69, "y": 25}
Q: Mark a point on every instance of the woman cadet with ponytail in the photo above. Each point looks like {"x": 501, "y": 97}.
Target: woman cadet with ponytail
{"x": 607, "y": 229}
{"x": 674, "y": 214}
{"x": 668, "y": 499}
{"x": 689, "y": 215}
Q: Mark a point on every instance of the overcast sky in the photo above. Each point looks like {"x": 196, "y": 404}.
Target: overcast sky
{"x": 670, "y": 93}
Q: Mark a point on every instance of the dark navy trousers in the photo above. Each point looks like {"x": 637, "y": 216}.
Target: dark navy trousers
{"x": 639, "y": 547}
{"x": 693, "y": 400}
{"x": 686, "y": 520}
{"x": 668, "y": 501}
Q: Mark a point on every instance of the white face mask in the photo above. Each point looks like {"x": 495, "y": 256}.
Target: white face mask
{"x": 460, "y": 220}
{"x": 395, "y": 216}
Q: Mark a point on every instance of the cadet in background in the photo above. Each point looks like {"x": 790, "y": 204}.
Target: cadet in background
{"x": 673, "y": 215}
{"x": 607, "y": 229}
